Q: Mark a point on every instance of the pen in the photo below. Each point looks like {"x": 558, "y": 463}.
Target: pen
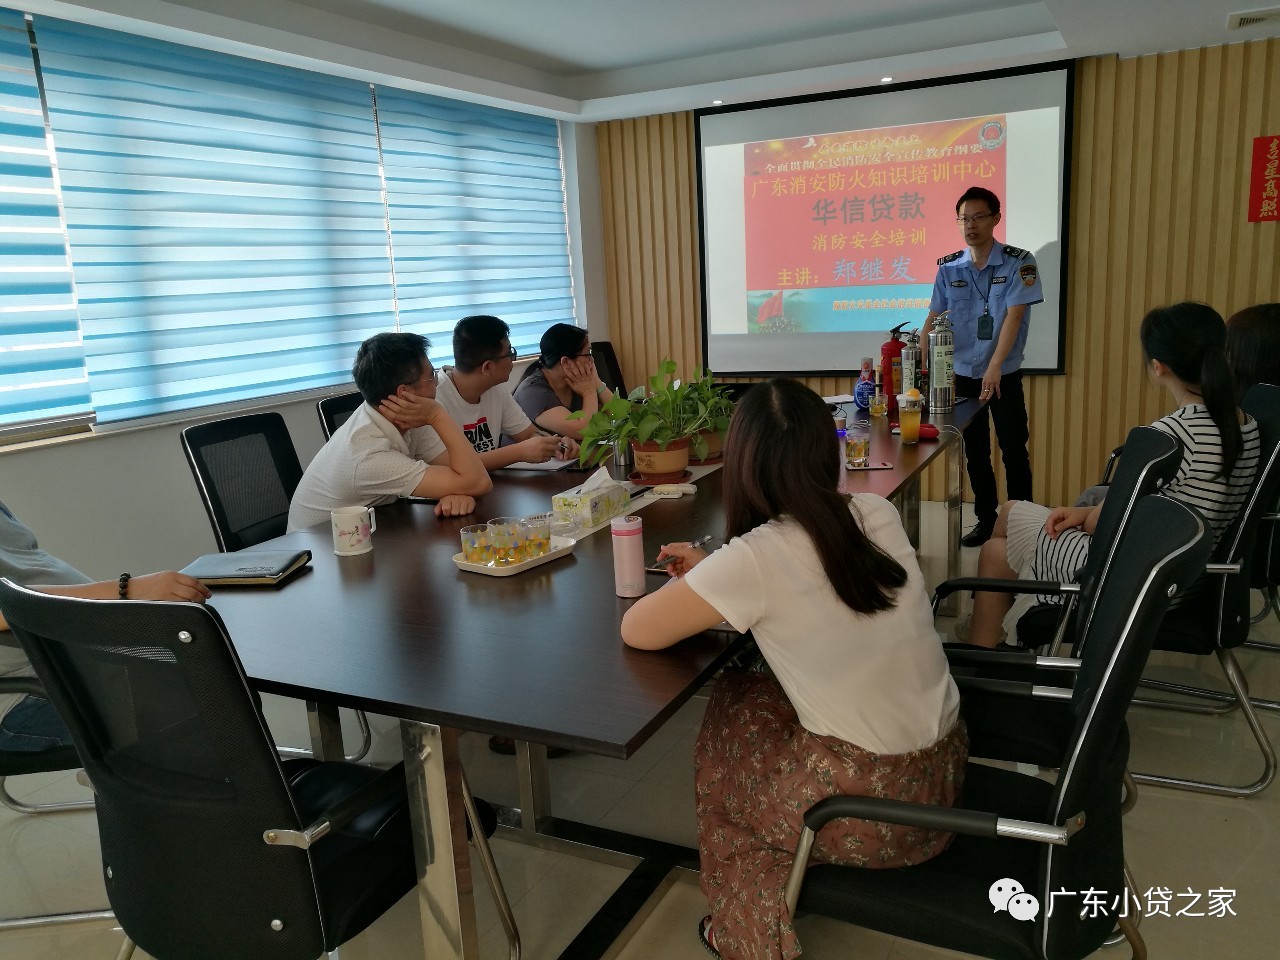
{"x": 697, "y": 543}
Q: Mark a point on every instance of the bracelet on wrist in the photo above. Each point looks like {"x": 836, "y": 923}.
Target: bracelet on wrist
{"x": 601, "y": 389}
{"x": 124, "y": 586}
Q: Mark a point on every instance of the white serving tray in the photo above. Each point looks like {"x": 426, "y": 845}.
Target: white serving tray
{"x": 560, "y": 547}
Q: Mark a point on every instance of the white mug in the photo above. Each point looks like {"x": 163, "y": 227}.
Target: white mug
{"x": 352, "y": 530}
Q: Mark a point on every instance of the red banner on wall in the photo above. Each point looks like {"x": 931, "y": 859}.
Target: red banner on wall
{"x": 1264, "y": 182}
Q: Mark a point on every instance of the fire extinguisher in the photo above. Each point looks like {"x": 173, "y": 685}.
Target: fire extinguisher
{"x": 891, "y": 365}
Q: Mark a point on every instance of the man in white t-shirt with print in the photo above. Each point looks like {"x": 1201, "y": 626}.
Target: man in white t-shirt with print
{"x": 474, "y": 395}
{"x": 370, "y": 460}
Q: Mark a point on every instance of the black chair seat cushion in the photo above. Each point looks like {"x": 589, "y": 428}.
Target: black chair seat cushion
{"x": 1027, "y": 731}
{"x": 15, "y": 763}
{"x": 945, "y": 901}
{"x": 1038, "y": 625}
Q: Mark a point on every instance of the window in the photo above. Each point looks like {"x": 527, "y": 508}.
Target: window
{"x": 229, "y": 233}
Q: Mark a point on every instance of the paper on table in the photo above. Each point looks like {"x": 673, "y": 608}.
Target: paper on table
{"x": 842, "y": 398}
{"x": 549, "y": 466}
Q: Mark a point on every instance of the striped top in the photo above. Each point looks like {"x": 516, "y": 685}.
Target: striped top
{"x": 1219, "y": 499}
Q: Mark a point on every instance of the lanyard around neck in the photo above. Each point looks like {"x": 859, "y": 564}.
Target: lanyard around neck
{"x": 986, "y": 298}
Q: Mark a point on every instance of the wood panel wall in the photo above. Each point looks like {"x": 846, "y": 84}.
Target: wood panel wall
{"x": 1159, "y": 184}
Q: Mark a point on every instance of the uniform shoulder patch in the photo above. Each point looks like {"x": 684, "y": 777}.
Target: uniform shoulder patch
{"x": 1016, "y": 252}
{"x": 950, "y": 256}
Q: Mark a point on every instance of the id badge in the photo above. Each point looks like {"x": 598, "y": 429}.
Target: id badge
{"x": 986, "y": 326}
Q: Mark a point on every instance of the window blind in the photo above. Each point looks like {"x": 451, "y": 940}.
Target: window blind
{"x": 475, "y": 199}
{"x": 42, "y": 370}
{"x": 225, "y": 216}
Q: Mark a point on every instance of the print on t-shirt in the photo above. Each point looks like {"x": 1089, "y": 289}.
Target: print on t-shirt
{"x": 479, "y": 435}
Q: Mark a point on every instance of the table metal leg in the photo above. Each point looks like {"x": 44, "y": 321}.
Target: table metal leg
{"x": 326, "y": 731}
{"x": 446, "y": 893}
{"x": 954, "y": 468}
{"x": 535, "y": 784}
{"x": 909, "y": 509}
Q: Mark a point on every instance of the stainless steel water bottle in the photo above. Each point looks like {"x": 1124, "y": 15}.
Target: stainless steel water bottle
{"x": 942, "y": 378}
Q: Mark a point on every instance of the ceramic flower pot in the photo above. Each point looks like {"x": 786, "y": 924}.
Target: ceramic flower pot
{"x": 715, "y": 447}
{"x": 661, "y": 466}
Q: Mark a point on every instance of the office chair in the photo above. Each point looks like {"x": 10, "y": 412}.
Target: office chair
{"x": 1005, "y": 815}
{"x": 14, "y": 763}
{"x": 1217, "y": 621}
{"x": 246, "y": 470}
{"x": 335, "y": 411}
{"x": 608, "y": 367}
{"x": 212, "y": 847}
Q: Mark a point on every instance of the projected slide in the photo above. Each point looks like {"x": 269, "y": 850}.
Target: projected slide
{"x": 837, "y": 226}
{"x": 823, "y": 219}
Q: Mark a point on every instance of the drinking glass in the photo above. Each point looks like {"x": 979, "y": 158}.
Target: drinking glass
{"x": 536, "y": 532}
{"x": 475, "y": 544}
{"x": 506, "y": 540}
{"x": 909, "y": 418}
{"x": 857, "y": 444}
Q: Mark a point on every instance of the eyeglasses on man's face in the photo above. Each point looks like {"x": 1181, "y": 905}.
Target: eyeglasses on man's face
{"x": 509, "y": 355}
{"x": 976, "y": 219}
{"x": 430, "y": 375}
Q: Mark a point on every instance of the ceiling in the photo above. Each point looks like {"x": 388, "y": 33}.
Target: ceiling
{"x": 604, "y": 59}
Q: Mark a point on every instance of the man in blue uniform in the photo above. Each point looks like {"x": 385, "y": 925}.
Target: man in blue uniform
{"x": 987, "y": 290}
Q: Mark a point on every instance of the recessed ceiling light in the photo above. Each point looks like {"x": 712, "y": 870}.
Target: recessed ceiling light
{"x": 716, "y": 103}
{"x": 886, "y": 79}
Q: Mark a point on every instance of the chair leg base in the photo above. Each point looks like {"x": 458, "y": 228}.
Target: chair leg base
{"x": 18, "y": 806}
{"x": 55, "y": 919}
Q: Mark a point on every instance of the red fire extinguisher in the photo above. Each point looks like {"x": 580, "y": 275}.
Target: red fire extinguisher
{"x": 891, "y": 365}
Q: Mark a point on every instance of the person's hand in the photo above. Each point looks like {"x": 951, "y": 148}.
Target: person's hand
{"x": 687, "y": 557}
{"x": 538, "y": 448}
{"x": 581, "y": 374}
{"x": 455, "y": 505}
{"x": 168, "y": 585}
{"x": 991, "y": 382}
{"x": 410, "y": 410}
{"x": 567, "y": 449}
{"x": 1065, "y": 518}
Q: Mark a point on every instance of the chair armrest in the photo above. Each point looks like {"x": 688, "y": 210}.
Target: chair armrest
{"x": 1014, "y": 689}
{"x": 961, "y": 654}
{"x": 1111, "y": 464}
{"x": 972, "y": 822}
{"x": 28, "y": 685}
{"x": 1000, "y": 585}
{"x": 342, "y": 813}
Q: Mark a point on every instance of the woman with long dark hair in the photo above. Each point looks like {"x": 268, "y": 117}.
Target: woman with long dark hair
{"x": 1183, "y": 350}
{"x": 562, "y": 380}
{"x": 858, "y": 698}
{"x": 1253, "y": 345}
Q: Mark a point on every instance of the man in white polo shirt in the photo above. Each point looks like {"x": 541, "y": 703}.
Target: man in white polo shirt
{"x": 475, "y": 396}
{"x": 371, "y": 461}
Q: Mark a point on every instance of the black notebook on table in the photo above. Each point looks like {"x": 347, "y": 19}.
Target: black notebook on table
{"x": 267, "y": 568}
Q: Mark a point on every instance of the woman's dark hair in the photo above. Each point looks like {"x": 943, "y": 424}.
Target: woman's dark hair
{"x": 558, "y": 341}
{"x": 1190, "y": 339}
{"x": 782, "y": 457}
{"x": 1253, "y": 345}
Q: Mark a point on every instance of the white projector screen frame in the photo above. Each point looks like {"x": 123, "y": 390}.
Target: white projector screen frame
{"x": 1036, "y": 104}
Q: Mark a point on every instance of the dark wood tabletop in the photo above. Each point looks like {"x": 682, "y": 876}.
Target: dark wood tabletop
{"x": 536, "y": 656}
{"x": 908, "y": 462}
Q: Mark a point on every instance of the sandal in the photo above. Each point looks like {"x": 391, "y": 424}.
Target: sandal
{"x": 704, "y": 934}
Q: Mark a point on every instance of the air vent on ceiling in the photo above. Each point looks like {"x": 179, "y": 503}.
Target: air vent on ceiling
{"x": 1251, "y": 18}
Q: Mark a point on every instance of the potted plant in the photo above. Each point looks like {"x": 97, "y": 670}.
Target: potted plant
{"x": 657, "y": 419}
{"x": 712, "y": 408}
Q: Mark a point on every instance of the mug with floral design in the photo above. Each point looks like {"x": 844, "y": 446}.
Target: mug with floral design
{"x": 352, "y": 530}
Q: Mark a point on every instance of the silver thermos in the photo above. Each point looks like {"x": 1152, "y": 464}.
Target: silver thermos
{"x": 911, "y": 362}
{"x": 942, "y": 378}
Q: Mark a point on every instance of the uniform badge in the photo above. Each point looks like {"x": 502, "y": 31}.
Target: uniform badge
{"x": 999, "y": 279}
{"x": 1028, "y": 274}
{"x": 950, "y": 256}
{"x": 959, "y": 283}
{"x": 1016, "y": 252}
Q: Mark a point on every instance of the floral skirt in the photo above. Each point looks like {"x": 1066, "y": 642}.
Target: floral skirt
{"x": 757, "y": 772}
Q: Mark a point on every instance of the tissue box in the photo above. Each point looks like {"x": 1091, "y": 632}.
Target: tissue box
{"x": 592, "y": 507}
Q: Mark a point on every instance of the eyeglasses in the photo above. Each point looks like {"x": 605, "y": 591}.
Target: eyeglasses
{"x": 509, "y": 355}
{"x": 432, "y": 374}
{"x": 975, "y": 219}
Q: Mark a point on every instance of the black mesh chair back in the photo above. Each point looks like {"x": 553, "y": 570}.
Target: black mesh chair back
{"x": 1151, "y": 459}
{"x": 188, "y": 785}
{"x": 335, "y": 411}
{"x": 246, "y": 470}
{"x": 1219, "y": 616}
{"x": 608, "y": 368}
{"x": 944, "y": 901}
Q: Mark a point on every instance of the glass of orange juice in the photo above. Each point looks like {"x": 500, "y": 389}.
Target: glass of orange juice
{"x": 909, "y": 417}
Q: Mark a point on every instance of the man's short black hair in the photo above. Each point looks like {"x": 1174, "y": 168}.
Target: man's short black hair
{"x": 983, "y": 194}
{"x": 477, "y": 339}
{"x": 386, "y": 361}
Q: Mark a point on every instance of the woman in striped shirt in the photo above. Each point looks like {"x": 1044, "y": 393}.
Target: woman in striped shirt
{"x": 1183, "y": 346}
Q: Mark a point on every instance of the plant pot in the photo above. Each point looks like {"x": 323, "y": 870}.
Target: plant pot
{"x": 661, "y": 466}
{"x": 715, "y": 447}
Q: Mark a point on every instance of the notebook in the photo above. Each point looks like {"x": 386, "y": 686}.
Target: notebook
{"x": 266, "y": 568}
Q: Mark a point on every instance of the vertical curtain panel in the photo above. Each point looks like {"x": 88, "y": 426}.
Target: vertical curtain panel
{"x": 42, "y": 370}
{"x": 475, "y": 199}
{"x": 225, "y": 216}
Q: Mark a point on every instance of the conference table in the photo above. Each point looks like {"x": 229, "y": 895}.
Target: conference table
{"x": 536, "y": 657}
